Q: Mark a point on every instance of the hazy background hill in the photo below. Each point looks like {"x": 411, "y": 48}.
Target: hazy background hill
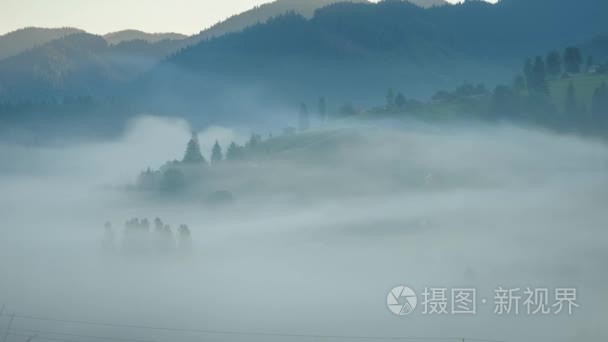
{"x": 351, "y": 53}
{"x": 357, "y": 50}
{"x": 15, "y": 42}
{"x": 78, "y": 65}
{"x": 261, "y": 14}
{"x": 129, "y": 35}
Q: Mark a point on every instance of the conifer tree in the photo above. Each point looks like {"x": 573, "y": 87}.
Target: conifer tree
{"x": 390, "y": 99}
{"x": 400, "y": 100}
{"x": 539, "y": 77}
{"x": 572, "y": 106}
{"x": 599, "y": 104}
{"x": 233, "y": 152}
{"x": 573, "y": 60}
{"x": 193, "y": 153}
{"x": 304, "y": 119}
{"x": 554, "y": 64}
{"x": 216, "y": 154}
{"x": 322, "y": 109}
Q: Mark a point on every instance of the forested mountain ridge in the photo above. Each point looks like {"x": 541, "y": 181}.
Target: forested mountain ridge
{"x": 348, "y": 49}
{"x": 261, "y": 14}
{"x": 79, "y": 64}
{"x": 345, "y": 50}
{"x": 13, "y": 43}
{"x": 131, "y": 35}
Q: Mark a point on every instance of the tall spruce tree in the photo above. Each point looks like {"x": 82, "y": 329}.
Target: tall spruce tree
{"x": 390, "y": 99}
{"x": 589, "y": 63}
{"x": 193, "y": 153}
{"x": 573, "y": 60}
{"x": 400, "y": 101}
{"x": 216, "y": 153}
{"x": 304, "y": 119}
{"x": 554, "y": 64}
{"x": 571, "y": 106}
{"x": 539, "y": 77}
{"x": 599, "y": 104}
{"x": 233, "y": 152}
{"x": 322, "y": 109}
{"x": 528, "y": 74}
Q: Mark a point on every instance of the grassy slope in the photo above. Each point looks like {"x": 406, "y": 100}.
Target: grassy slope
{"x": 584, "y": 84}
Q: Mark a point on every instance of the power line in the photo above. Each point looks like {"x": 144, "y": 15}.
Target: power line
{"x": 10, "y": 323}
{"x": 43, "y": 338}
{"x": 84, "y": 336}
{"x": 252, "y": 333}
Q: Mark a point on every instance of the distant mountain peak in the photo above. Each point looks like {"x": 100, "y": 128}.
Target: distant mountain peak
{"x": 16, "y": 42}
{"x": 428, "y": 3}
{"x": 130, "y": 35}
{"x": 262, "y": 13}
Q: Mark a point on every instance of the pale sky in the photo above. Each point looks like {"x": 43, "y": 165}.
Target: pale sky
{"x": 103, "y": 16}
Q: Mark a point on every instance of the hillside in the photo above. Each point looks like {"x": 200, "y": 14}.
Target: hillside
{"x": 584, "y": 84}
{"x": 130, "y": 35}
{"x": 261, "y": 14}
{"x": 428, "y": 3}
{"x": 358, "y": 50}
{"x": 80, "y": 64}
{"x": 15, "y": 42}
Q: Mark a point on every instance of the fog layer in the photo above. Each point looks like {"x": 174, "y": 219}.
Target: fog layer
{"x": 317, "y": 236}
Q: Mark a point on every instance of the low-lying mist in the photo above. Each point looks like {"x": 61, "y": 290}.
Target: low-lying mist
{"x": 318, "y": 233}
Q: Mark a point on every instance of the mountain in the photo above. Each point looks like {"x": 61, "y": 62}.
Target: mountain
{"x": 346, "y": 50}
{"x": 428, "y": 3}
{"x": 361, "y": 48}
{"x": 15, "y": 42}
{"x": 79, "y": 64}
{"x": 261, "y": 14}
{"x": 130, "y": 35}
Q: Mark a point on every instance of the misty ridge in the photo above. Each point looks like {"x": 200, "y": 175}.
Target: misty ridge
{"x": 273, "y": 177}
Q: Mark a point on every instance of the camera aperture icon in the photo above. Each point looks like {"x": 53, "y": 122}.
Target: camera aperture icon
{"x": 401, "y": 300}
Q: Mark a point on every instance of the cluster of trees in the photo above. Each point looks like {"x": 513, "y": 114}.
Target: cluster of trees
{"x": 194, "y": 156}
{"x": 465, "y": 91}
{"x": 538, "y": 70}
{"x": 397, "y": 101}
{"x": 176, "y": 175}
{"x": 534, "y": 82}
{"x": 138, "y": 236}
{"x": 599, "y": 104}
{"x": 529, "y": 97}
{"x": 304, "y": 119}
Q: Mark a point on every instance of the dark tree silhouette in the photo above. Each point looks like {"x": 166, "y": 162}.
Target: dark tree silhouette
{"x": 254, "y": 141}
{"x": 572, "y": 106}
{"x": 193, "y": 153}
{"x": 234, "y": 152}
{"x": 539, "y": 77}
{"x": 589, "y": 63}
{"x": 529, "y": 73}
{"x": 599, "y": 104}
{"x": 216, "y": 154}
{"x": 390, "y": 99}
{"x": 173, "y": 180}
{"x": 573, "y": 60}
{"x": 322, "y": 109}
{"x": 400, "y": 101}
{"x": 554, "y": 64}
{"x": 519, "y": 85}
{"x": 304, "y": 119}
